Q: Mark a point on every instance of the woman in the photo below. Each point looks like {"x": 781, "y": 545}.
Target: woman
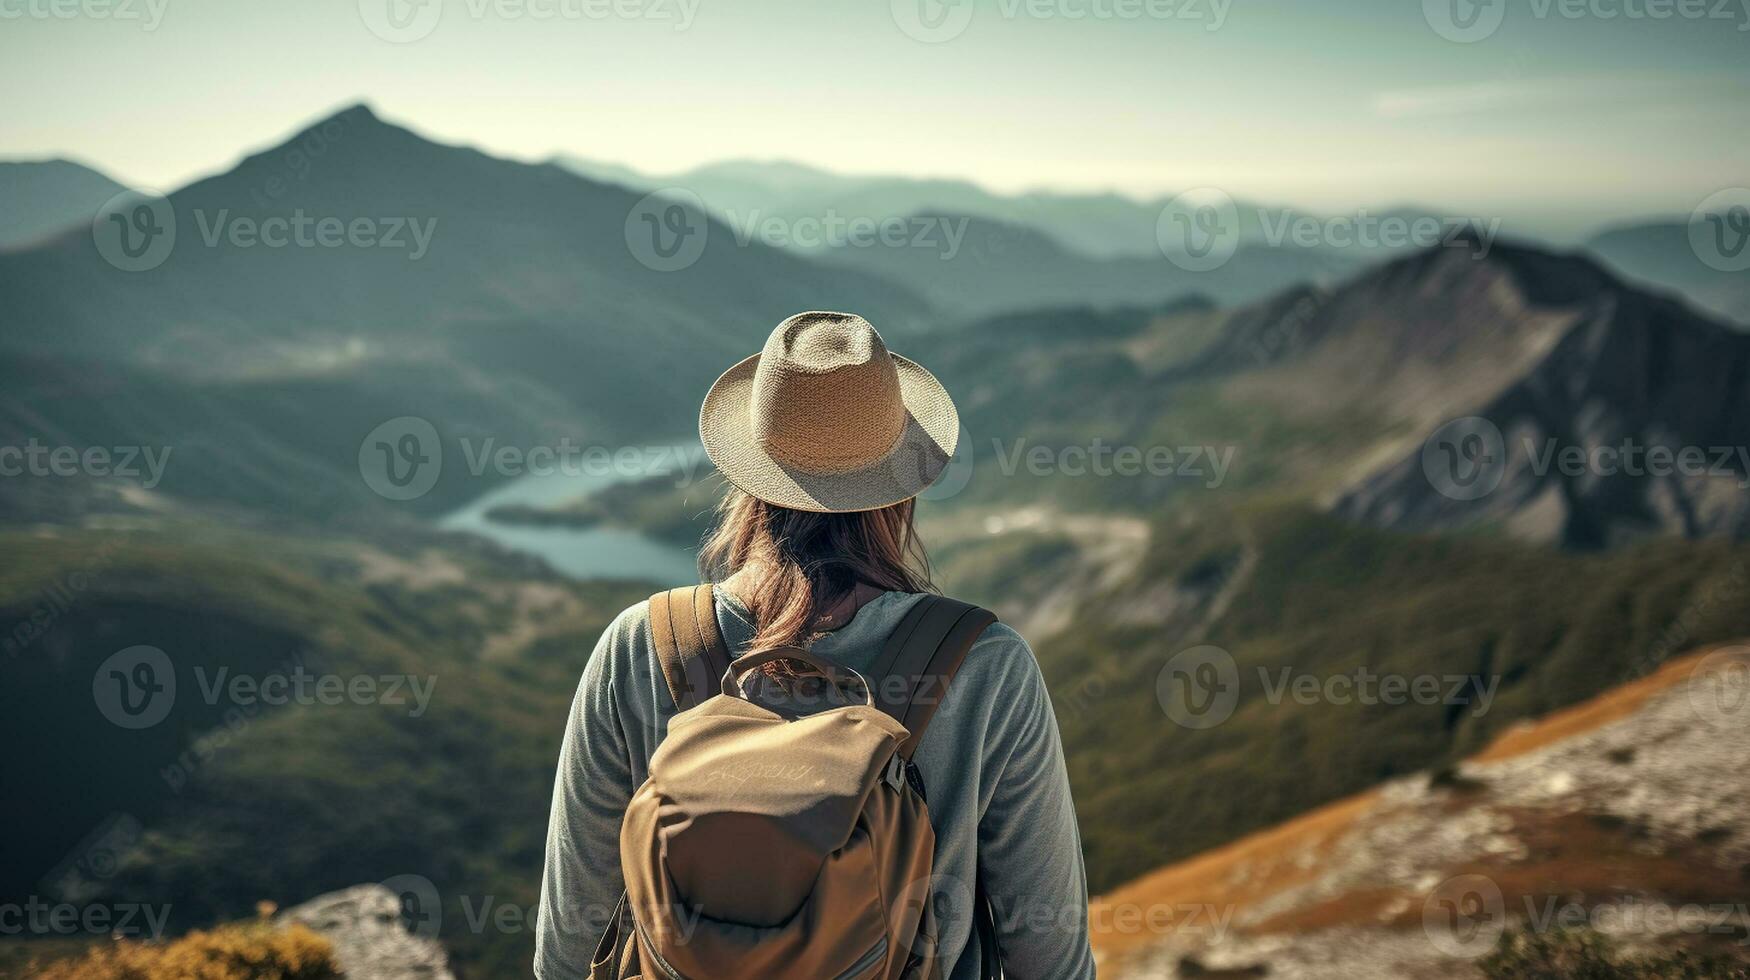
{"x": 826, "y": 438}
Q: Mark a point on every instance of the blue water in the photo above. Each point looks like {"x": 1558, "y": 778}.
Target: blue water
{"x": 586, "y": 553}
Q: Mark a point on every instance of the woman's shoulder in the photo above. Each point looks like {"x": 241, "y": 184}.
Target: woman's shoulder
{"x": 999, "y": 657}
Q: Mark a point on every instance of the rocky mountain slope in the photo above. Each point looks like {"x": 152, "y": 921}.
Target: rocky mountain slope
{"x": 1624, "y": 814}
{"x": 357, "y": 273}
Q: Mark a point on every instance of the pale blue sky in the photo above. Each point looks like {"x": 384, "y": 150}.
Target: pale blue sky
{"x": 1332, "y": 104}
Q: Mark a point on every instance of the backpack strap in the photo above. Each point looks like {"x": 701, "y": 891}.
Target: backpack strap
{"x": 911, "y": 678}
{"x": 689, "y": 646}
{"x": 920, "y": 659}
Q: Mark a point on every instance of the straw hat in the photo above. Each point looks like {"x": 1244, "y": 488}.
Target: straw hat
{"x": 826, "y": 419}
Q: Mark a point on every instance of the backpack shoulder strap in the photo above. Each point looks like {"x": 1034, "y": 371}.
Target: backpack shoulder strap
{"x": 689, "y": 646}
{"x": 920, "y": 659}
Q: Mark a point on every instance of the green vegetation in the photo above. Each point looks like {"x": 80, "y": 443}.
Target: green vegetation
{"x": 245, "y": 802}
{"x": 1320, "y": 598}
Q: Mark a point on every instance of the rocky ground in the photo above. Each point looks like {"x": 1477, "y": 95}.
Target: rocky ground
{"x": 1629, "y": 814}
{"x": 371, "y": 942}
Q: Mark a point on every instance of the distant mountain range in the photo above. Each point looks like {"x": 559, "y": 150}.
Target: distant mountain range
{"x": 40, "y": 198}
{"x": 1660, "y": 253}
{"x": 528, "y": 313}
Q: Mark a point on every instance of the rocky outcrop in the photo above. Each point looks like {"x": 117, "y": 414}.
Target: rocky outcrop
{"x": 370, "y": 940}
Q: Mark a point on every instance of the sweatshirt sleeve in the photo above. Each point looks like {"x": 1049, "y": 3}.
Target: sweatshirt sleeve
{"x": 1029, "y": 849}
{"x": 581, "y": 882}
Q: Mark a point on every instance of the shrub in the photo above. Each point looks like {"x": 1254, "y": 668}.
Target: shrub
{"x": 254, "y": 951}
{"x": 1578, "y": 954}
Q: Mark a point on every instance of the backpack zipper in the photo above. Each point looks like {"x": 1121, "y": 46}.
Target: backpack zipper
{"x": 868, "y": 961}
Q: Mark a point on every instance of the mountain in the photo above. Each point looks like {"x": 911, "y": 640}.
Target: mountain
{"x": 489, "y": 298}
{"x": 41, "y": 197}
{"x": 978, "y": 266}
{"x": 1614, "y": 813}
{"x": 1660, "y": 253}
{"x": 1603, "y": 413}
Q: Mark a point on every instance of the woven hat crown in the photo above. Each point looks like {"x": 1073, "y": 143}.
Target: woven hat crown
{"x": 826, "y": 395}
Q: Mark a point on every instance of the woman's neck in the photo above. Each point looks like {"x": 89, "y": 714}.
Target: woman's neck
{"x": 837, "y": 611}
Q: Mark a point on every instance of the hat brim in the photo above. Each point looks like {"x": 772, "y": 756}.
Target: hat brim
{"x": 932, "y": 429}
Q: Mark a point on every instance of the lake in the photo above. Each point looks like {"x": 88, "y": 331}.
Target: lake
{"x": 583, "y": 553}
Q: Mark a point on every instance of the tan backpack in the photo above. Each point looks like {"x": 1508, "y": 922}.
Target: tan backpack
{"x": 767, "y": 845}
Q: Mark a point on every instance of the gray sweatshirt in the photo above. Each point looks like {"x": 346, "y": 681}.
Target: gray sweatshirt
{"x": 992, "y": 766}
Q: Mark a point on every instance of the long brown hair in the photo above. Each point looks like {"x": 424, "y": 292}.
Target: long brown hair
{"x": 799, "y": 562}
